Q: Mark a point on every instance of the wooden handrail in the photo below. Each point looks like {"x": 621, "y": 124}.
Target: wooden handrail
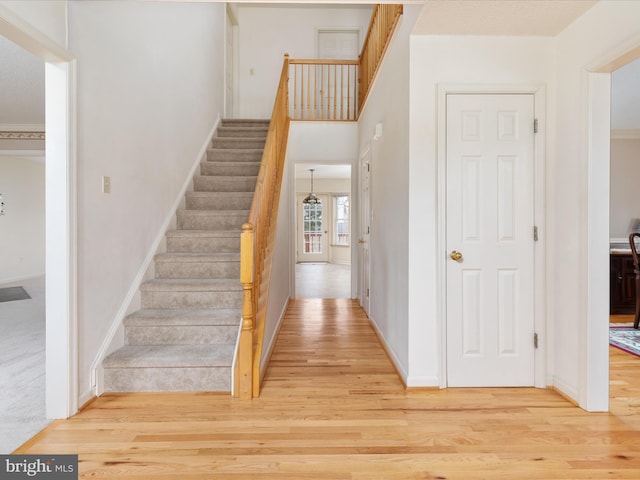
{"x": 384, "y": 19}
{"x": 256, "y": 246}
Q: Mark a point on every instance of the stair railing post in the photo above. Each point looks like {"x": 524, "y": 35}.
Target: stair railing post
{"x": 245, "y": 350}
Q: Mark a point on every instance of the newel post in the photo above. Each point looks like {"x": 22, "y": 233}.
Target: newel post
{"x": 245, "y": 349}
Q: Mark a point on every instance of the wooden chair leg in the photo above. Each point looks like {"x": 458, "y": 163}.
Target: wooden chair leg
{"x": 636, "y": 320}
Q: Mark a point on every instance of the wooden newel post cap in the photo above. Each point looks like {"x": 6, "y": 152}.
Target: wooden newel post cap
{"x": 247, "y": 227}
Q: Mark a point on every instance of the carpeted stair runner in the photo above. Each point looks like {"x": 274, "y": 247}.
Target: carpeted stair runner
{"x": 184, "y": 336}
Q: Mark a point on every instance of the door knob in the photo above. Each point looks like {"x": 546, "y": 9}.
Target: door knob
{"x": 456, "y": 255}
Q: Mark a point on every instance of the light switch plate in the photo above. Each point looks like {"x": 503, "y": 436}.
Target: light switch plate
{"x": 106, "y": 184}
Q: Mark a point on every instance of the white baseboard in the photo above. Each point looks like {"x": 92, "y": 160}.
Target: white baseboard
{"x": 5, "y": 281}
{"x": 566, "y": 390}
{"x": 86, "y": 397}
{"x": 272, "y": 341}
{"x": 106, "y": 347}
{"x": 391, "y": 354}
{"x": 423, "y": 381}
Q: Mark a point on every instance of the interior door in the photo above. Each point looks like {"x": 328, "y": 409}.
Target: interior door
{"x": 489, "y": 240}
{"x": 365, "y": 229}
{"x": 312, "y": 230}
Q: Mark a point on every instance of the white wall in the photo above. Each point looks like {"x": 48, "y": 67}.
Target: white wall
{"x": 388, "y": 103}
{"x": 624, "y": 205}
{"x": 267, "y": 32}
{"x": 283, "y": 264}
{"x": 438, "y": 60}
{"x": 150, "y": 89}
{"x": 578, "y": 195}
{"x": 22, "y": 226}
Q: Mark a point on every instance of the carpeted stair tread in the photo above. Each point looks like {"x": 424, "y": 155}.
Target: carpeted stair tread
{"x": 173, "y": 356}
{"x": 245, "y": 122}
{"x": 235, "y": 154}
{"x": 219, "y": 200}
{"x": 183, "y": 336}
{"x": 215, "y": 213}
{"x": 191, "y": 285}
{"x": 165, "y": 317}
{"x": 197, "y": 257}
{"x": 204, "y": 233}
{"x": 226, "y": 169}
{"x": 237, "y": 142}
{"x": 246, "y": 131}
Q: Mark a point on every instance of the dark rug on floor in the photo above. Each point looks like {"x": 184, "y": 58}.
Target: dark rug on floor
{"x": 10, "y": 294}
{"x": 625, "y": 338}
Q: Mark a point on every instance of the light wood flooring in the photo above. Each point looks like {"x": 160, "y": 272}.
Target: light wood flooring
{"x": 332, "y": 407}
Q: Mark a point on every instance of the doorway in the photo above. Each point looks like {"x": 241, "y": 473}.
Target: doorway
{"x": 323, "y": 231}
{"x": 61, "y": 289}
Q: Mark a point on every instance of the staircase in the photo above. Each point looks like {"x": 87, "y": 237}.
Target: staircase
{"x": 183, "y": 338}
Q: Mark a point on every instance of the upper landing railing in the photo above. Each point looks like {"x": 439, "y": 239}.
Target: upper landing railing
{"x": 337, "y": 89}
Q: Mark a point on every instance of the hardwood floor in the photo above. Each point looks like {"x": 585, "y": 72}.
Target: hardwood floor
{"x": 332, "y": 407}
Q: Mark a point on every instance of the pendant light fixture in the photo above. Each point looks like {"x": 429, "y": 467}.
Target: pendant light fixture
{"x": 311, "y": 199}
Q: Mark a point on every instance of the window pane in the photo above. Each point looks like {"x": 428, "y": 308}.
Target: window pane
{"x": 341, "y": 222}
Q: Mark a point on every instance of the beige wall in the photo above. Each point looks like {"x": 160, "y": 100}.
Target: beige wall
{"x": 22, "y": 238}
{"x": 625, "y": 186}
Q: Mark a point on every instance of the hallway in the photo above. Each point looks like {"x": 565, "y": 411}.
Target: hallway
{"x": 332, "y": 407}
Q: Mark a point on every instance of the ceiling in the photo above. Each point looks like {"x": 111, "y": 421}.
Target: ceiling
{"x": 21, "y": 86}
{"x": 499, "y": 17}
{"x": 322, "y": 171}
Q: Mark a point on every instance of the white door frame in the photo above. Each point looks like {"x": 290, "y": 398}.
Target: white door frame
{"x": 539, "y": 94}
{"x": 366, "y": 155}
{"x": 61, "y": 272}
{"x": 594, "y": 345}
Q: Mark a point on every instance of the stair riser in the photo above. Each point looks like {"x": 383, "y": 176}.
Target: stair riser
{"x": 203, "y": 245}
{"x": 245, "y": 123}
{"x": 168, "y": 299}
{"x": 217, "y": 184}
{"x": 189, "y": 221}
{"x": 197, "y": 269}
{"x": 222, "y": 155}
{"x": 230, "y": 142}
{"x": 211, "y": 168}
{"x": 217, "y": 202}
{"x": 245, "y": 132}
{"x": 182, "y": 335}
{"x": 204, "y": 379}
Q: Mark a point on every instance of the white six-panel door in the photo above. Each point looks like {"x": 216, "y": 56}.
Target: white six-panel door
{"x": 489, "y": 239}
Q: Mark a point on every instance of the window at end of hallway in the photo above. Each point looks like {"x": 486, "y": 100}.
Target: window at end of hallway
{"x": 341, "y": 219}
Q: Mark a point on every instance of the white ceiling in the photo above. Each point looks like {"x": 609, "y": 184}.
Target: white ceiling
{"x": 499, "y": 17}
{"x": 21, "y": 86}
{"x": 322, "y": 171}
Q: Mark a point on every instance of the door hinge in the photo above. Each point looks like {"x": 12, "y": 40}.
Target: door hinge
{"x": 367, "y": 293}
{"x": 535, "y": 340}
{"x": 535, "y": 125}
{"x": 535, "y": 233}
{"x": 368, "y": 167}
